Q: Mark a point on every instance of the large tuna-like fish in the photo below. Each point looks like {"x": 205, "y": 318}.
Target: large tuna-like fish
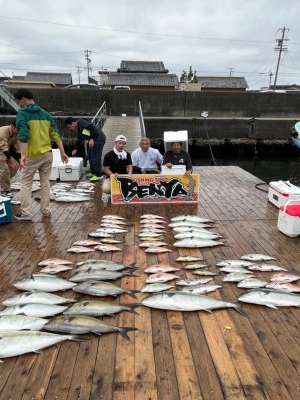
{"x": 80, "y": 324}
{"x": 99, "y": 274}
{"x": 97, "y": 308}
{"x": 101, "y": 288}
{"x": 192, "y": 218}
{"x": 197, "y": 243}
{"x": 257, "y": 257}
{"x": 180, "y": 301}
{"x": 34, "y": 310}
{"x": 21, "y": 322}
{"x": 36, "y": 297}
{"x": 44, "y": 284}
{"x": 20, "y": 342}
{"x": 270, "y": 298}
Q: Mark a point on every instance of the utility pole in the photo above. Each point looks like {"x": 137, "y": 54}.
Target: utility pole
{"x": 230, "y": 71}
{"x": 78, "y": 72}
{"x": 270, "y": 75}
{"x": 280, "y": 48}
{"x": 88, "y": 60}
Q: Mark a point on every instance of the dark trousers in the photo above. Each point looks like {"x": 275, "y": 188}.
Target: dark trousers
{"x": 95, "y": 154}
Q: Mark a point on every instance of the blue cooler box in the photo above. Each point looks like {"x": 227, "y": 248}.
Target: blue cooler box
{"x": 5, "y": 210}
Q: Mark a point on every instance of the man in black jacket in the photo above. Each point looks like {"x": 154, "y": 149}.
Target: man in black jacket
{"x": 87, "y": 131}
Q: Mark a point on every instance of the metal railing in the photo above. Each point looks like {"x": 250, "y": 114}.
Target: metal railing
{"x": 8, "y": 97}
{"x": 99, "y": 118}
{"x": 141, "y": 118}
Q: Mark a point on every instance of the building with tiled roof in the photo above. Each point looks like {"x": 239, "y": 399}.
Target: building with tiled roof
{"x": 59, "y": 79}
{"x": 222, "y": 84}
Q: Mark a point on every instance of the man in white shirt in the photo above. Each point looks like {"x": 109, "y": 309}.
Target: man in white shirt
{"x": 145, "y": 159}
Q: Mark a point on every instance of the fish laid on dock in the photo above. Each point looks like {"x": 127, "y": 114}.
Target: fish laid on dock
{"x": 21, "y": 322}
{"x": 101, "y": 288}
{"x": 251, "y": 283}
{"x": 55, "y": 269}
{"x": 265, "y": 268}
{"x": 157, "y": 249}
{"x": 156, "y": 287}
{"x": 192, "y": 281}
{"x": 283, "y": 277}
{"x": 289, "y": 287}
{"x": 99, "y": 274}
{"x": 270, "y": 298}
{"x": 43, "y": 284}
{"x": 36, "y": 297}
{"x": 257, "y": 257}
{"x": 180, "y": 301}
{"x": 200, "y": 289}
{"x": 34, "y": 310}
{"x": 189, "y": 258}
{"x": 156, "y": 268}
{"x": 193, "y": 218}
{"x": 50, "y": 261}
{"x": 81, "y": 324}
{"x": 197, "y": 243}
{"x": 16, "y": 343}
{"x": 97, "y": 308}
{"x": 79, "y": 249}
{"x": 161, "y": 277}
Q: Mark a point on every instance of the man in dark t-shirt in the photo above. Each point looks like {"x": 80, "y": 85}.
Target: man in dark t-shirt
{"x": 177, "y": 156}
{"x": 117, "y": 161}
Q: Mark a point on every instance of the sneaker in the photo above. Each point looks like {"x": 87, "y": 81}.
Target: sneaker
{"x": 89, "y": 175}
{"x": 95, "y": 178}
{"x": 7, "y": 193}
{"x": 21, "y": 217}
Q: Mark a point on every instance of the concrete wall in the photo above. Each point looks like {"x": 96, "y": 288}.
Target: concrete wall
{"x": 230, "y": 115}
{"x": 170, "y": 103}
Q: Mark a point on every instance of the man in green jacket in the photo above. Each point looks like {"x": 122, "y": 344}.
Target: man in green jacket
{"x": 36, "y": 129}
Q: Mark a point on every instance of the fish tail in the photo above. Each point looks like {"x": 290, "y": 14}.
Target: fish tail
{"x": 124, "y": 332}
{"x": 131, "y": 293}
{"x": 132, "y": 307}
{"x": 238, "y": 307}
{"x": 132, "y": 265}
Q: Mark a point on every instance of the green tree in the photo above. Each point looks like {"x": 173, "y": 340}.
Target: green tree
{"x": 190, "y": 77}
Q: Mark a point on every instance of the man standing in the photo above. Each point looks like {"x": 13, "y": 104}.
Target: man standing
{"x": 146, "y": 160}
{"x": 117, "y": 161}
{"x": 86, "y": 130}
{"x": 8, "y": 165}
{"x": 177, "y": 156}
{"x": 36, "y": 128}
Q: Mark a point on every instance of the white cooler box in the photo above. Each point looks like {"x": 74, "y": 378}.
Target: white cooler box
{"x": 280, "y": 192}
{"x": 71, "y": 171}
{"x": 289, "y": 218}
{"x": 54, "y": 171}
{"x": 173, "y": 136}
{"x": 175, "y": 170}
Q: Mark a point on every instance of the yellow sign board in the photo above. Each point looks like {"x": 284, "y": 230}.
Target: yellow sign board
{"x": 154, "y": 189}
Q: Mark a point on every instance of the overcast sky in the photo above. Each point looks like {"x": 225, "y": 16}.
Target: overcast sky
{"x": 215, "y": 37}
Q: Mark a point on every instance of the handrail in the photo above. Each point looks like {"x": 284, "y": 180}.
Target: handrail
{"x": 6, "y": 95}
{"x": 100, "y": 117}
{"x": 141, "y": 118}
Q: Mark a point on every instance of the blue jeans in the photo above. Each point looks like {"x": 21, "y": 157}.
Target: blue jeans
{"x": 95, "y": 154}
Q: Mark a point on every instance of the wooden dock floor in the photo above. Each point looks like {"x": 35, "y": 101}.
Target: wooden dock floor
{"x": 173, "y": 355}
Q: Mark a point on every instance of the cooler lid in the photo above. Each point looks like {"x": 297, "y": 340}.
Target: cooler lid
{"x": 293, "y": 210}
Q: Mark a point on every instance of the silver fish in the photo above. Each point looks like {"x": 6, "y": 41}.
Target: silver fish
{"x": 68, "y": 198}
{"x": 200, "y": 289}
{"x": 235, "y": 277}
{"x": 81, "y": 324}
{"x": 237, "y": 263}
{"x": 156, "y": 287}
{"x": 192, "y": 281}
{"x": 110, "y": 241}
{"x": 153, "y": 244}
{"x": 234, "y": 268}
{"x": 270, "y": 298}
{"x": 193, "y": 218}
{"x": 112, "y": 216}
{"x": 265, "y": 268}
{"x": 251, "y": 283}
{"x": 21, "y": 342}
{"x": 197, "y": 234}
{"x": 150, "y": 216}
{"x": 109, "y": 266}
{"x": 156, "y": 249}
{"x": 100, "y": 234}
{"x": 112, "y": 230}
{"x": 97, "y": 308}
{"x": 149, "y": 234}
{"x": 36, "y": 297}
{"x": 44, "y": 284}
{"x": 188, "y": 224}
{"x": 179, "y": 301}
{"x": 257, "y": 257}
{"x": 21, "y": 322}
{"x": 197, "y": 243}
{"x": 98, "y": 274}
{"x": 203, "y": 272}
{"x": 34, "y": 310}
{"x": 101, "y": 288}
